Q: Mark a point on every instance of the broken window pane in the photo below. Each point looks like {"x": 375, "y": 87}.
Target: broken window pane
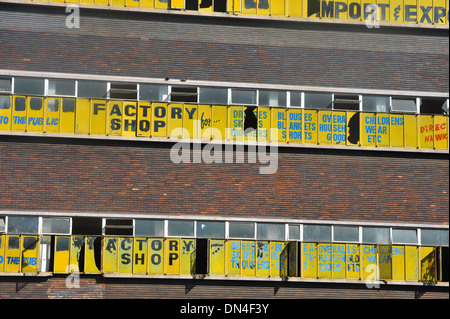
{"x": 317, "y": 233}
{"x": 92, "y": 89}
{"x": 375, "y": 235}
{"x": 56, "y": 225}
{"x": 210, "y": 229}
{"x": 272, "y": 98}
{"x": 318, "y": 100}
{"x": 213, "y": 95}
{"x": 149, "y": 228}
{"x": 23, "y": 225}
{"x": 61, "y": 87}
{"x": 270, "y": 231}
{"x": 5, "y": 85}
{"x": 404, "y": 105}
{"x": 346, "y": 233}
{"x": 241, "y": 230}
{"x": 404, "y": 236}
{"x": 375, "y": 103}
{"x": 243, "y": 96}
{"x": 180, "y": 228}
{"x": 29, "y": 86}
{"x": 150, "y": 92}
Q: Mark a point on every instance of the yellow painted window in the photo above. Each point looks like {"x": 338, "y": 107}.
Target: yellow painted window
{"x": 62, "y": 254}
{"x": 52, "y": 109}
{"x": 324, "y": 260}
{"x": 115, "y": 114}
{"x": 309, "y": 260}
{"x": 12, "y": 253}
{"x": 132, "y": 3}
{"x": 203, "y": 123}
{"x": 19, "y": 114}
{"x": 262, "y": 259}
{"x": 370, "y": 11}
{"x": 217, "y": 257}
{"x": 187, "y": 257}
{"x": 441, "y": 132}
{"x": 278, "y": 125}
{"x": 383, "y": 130}
{"x": 397, "y": 12}
{"x": 236, "y": 123}
{"x": 368, "y": 129}
{"x": 234, "y": 257}
{"x": 412, "y": 263}
{"x": 263, "y": 117}
{"x": 411, "y": 131}
{"x": 140, "y": 256}
{"x": 67, "y": 116}
{"x": 234, "y": 6}
{"x": 125, "y": 255}
{"x": 76, "y": 254}
{"x": 411, "y": 11}
{"x": 384, "y": 10}
{"x": 35, "y": 114}
{"x": 338, "y": 260}
{"x": 144, "y": 119}
{"x": 277, "y": 7}
{"x": 397, "y": 130}
{"x": 172, "y": 255}
{"x": 325, "y": 127}
{"x": 98, "y": 117}
{"x": 248, "y": 260}
{"x": 398, "y": 263}
{"x": 278, "y": 259}
{"x": 426, "y": 131}
{"x": 156, "y": 255}
{"x": 265, "y": 7}
{"x": 147, "y": 3}
{"x": 162, "y": 4}
{"x": 219, "y": 121}
{"x": 428, "y": 264}
{"x": 5, "y": 113}
{"x": 110, "y": 255}
{"x": 2, "y": 252}
{"x": 353, "y": 261}
{"x": 385, "y": 262}
{"x": 177, "y": 4}
{"x": 130, "y": 110}
{"x": 117, "y": 3}
{"x": 425, "y": 11}
{"x": 205, "y": 5}
{"x": 87, "y": 1}
{"x": 176, "y": 120}
{"x": 440, "y": 11}
{"x": 249, "y": 6}
{"x": 369, "y": 266}
{"x": 353, "y": 128}
{"x": 310, "y": 126}
{"x": 102, "y": 2}
{"x": 296, "y": 8}
{"x": 82, "y": 116}
{"x": 159, "y": 120}
{"x": 92, "y": 259}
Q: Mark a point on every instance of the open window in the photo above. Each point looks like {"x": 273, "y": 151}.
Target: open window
{"x": 123, "y": 91}
{"x": 86, "y": 226}
{"x": 346, "y": 102}
{"x": 119, "y": 227}
{"x": 434, "y": 106}
{"x": 183, "y": 94}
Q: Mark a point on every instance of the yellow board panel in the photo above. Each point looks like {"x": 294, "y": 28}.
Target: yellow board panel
{"x": 19, "y": 114}
{"x": 411, "y": 131}
{"x": 353, "y": 137}
{"x": 12, "y": 253}
{"x": 385, "y": 262}
{"x": 62, "y": 255}
{"x": 310, "y": 126}
{"x": 398, "y": 263}
{"x": 234, "y": 257}
{"x": 278, "y": 259}
{"x": 98, "y": 117}
{"x": 126, "y": 255}
{"x": 428, "y": 264}
{"x": 412, "y": 263}
{"x": 235, "y": 123}
{"x": 76, "y": 253}
{"x": 140, "y": 256}
{"x": 217, "y": 257}
{"x": 324, "y": 260}
{"x": 338, "y": 260}
{"x": 341, "y": 10}
{"x": 159, "y": 120}
{"x": 2, "y": 252}
{"x": 203, "y": 124}
{"x": 426, "y": 131}
{"x": 325, "y": 123}
{"x": 147, "y": 3}
{"x": 248, "y": 252}
{"x": 397, "y": 130}
{"x": 132, "y": 3}
{"x": 187, "y": 257}
{"x": 383, "y": 129}
{"x": 441, "y": 132}
{"x": 278, "y": 125}
{"x": 264, "y": 7}
{"x": 35, "y": 114}
{"x": 92, "y": 257}
{"x": 369, "y": 267}
{"x": 205, "y": 5}
{"x": 162, "y": 4}
{"x": 295, "y": 8}
{"x": 67, "y": 116}
{"x": 219, "y": 121}
{"x": 156, "y": 254}
{"x": 5, "y": 113}
{"x": 262, "y": 259}
{"x": 234, "y": 6}
{"x": 397, "y": 12}
{"x": 339, "y": 129}
{"x": 114, "y": 121}
{"x": 354, "y": 11}
{"x": 176, "y": 115}
{"x": 177, "y": 4}
{"x": 384, "y": 10}
{"x": 102, "y": 2}
{"x": 87, "y": 1}
{"x": 172, "y": 255}
{"x": 440, "y": 12}
{"x": 368, "y": 129}
{"x": 309, "y": 260}
{"x": 129, "y": 118}
{"x": 82, "y": 116}
{"x": 277, "y": 7}
{"x": 425, "y": 12}
{"x": 249, "y": 6}
{"x": 52, "y": 109}
{"x": 353, "y": 261}
{"x": 295, "y": 125}
{"x": 117, "y": 3}
{"x": 144, "y": 118}
{"x": 110, "y": 255}
{"x": 30, "y": 254}
{"x": 411, "y": 11}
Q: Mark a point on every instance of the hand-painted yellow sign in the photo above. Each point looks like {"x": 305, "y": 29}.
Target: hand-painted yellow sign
{"x": 231, "y": 123}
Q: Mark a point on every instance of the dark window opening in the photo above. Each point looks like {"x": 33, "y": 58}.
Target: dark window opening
{"x": 314, "y": 8}
{"x": 68, "y": 105}
{"x": 220, "y": 6}
{"x": 201, "y": 260}
{"x": 123, "y": 91}
{"x": 192, "y": 5}
{"x": 183, "y": 94}
{"x": 346, "y": 102}
{"x": 443, "y": 265}
{"x": 433, "y": 106}
{"x": 19, "y": 103}
{"x": 35, "y": 104}
{"x": 86, "y": 226}
{"x": 119, "y": 227}
{"x": 250, "y": 120}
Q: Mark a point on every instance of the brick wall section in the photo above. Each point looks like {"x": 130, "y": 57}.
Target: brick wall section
{"x": 218, "y": 49}
{"x": 51, "y": 174}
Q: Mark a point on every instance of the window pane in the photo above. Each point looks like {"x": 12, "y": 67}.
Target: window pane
{"x": 346, "y": 102}
{"x": 319, "y": 233}
{"x": 294, "y": 232}
{"x": 243, "y": 96}
{"x": 375, "y": 103}
{"x": 213, "y": 96}
{"x": 2, "y": 224}
{"x": 404, "y": 236}
{"x": 210, "y": 229}
{"x": 148, "y": 92}
{"x": 434, "y": 237}
{"x": 242, "y": 230}
{"x": 56, "y": 226}
{"x": 406, "y": 105}
{"x": 61, "y": 87}
{"x": 5, "y": 102}
{"x": 272, "y": 98}
{"x": 180, "y": 228}
{"x": 29, "y": 86}
{"x": 92, "y": 89}
{"x": 270, "y": 231}
{"x": 375, "y": 235}
{"x": 296, "y": 99}
{"x": 149, "y": 228}
{"x": 23, "y": 225}
{"x": 5, "y": 85}
{"x": 318, "y": 100}
{"x": 346, "y": 233}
